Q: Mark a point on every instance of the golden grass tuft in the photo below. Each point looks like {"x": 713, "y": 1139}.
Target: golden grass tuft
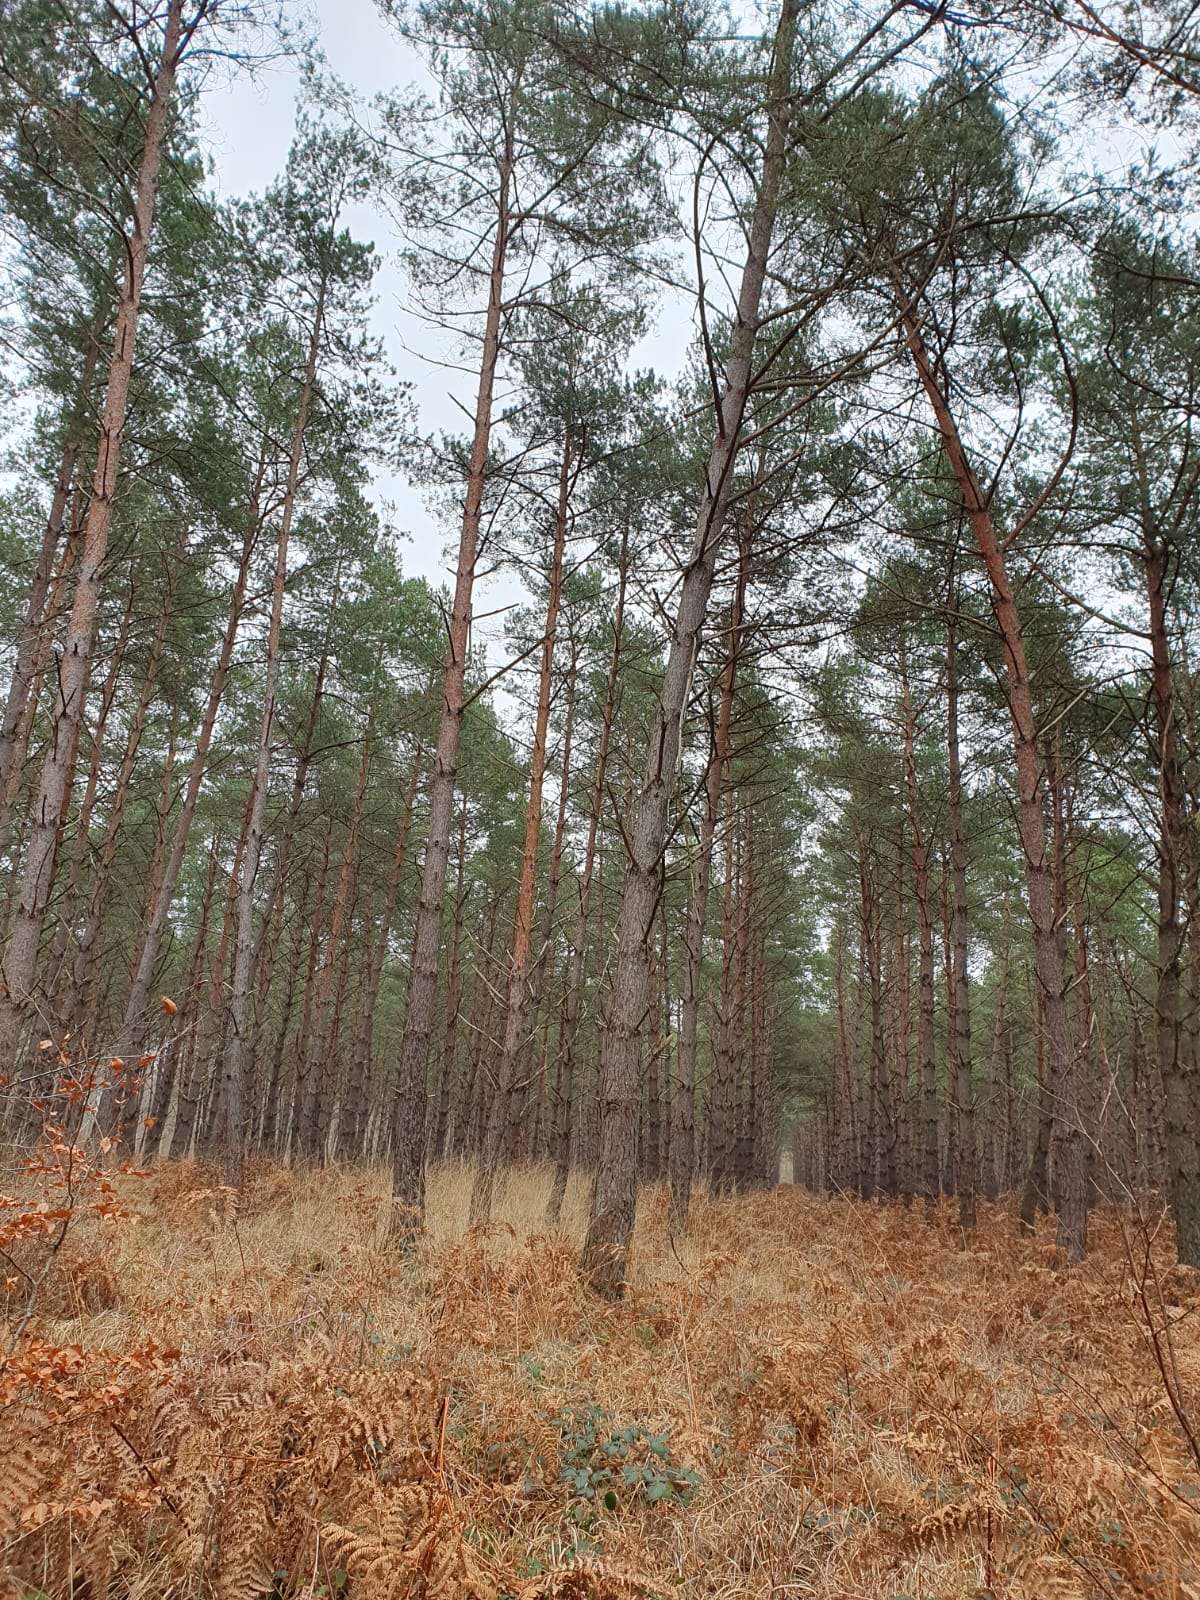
{"x": 261, "y": 1399}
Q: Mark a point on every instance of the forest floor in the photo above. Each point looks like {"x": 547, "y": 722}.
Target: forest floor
{"x": 805, "y": 1397}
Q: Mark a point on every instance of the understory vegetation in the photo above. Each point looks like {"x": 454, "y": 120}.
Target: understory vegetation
{"x": 227, "y": 1395}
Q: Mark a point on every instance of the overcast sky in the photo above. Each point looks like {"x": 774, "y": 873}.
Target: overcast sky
{"x": 247, "y": 123}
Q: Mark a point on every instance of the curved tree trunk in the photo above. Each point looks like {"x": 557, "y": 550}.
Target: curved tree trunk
{"x": 614, "y": 1196}
{"x": 1068, "y": 1137}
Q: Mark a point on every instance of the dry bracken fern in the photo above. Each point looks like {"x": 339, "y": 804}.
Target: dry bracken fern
{"x": 417, "y": 1549}
{"x": 864, "y": 1408}
{"x": 586, "y": 1580}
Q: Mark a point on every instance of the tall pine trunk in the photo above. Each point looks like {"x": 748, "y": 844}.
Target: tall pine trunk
{"x": 354, "y": 1112}
{"x": 614, "y": 1196}
{"x": 15, "y": 723}
{"x": 441, "y": 1141}
{"x": 882, "y": 1153}
{"x": 240, "y": 1046}
{"x": 160, "y": 902}
{"x": 81, "y": 1007}
{"x": 996, "y": 1124}
{"x": 20, "y": 963}
{"x": 517, "y": 1011}
{"x": 537, "y": 978}
{"x": 844, "y": 1156}
{"x": 722, "y": 1092}
{"x": 408, "y": 1122}
{"x": 964, "y": 1094}
{"x": 565, "y": 1075}
{"x": 926, "y": 1059}
{"x": 682, "y": 1158}
{"x": 1174, "y": 1065}
{"x": 323, "y": 1031}
{"x": 66, "y": 902}
{"x": 1070, "y": 1179}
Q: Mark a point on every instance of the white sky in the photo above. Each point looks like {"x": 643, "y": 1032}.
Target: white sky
{"x": 247, "y": 122}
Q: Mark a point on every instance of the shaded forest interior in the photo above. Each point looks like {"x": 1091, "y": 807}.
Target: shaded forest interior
{"x": 836, "y": 793}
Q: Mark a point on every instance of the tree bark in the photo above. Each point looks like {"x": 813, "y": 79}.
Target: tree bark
{"x": 354, "y": 1115}
{"x": 323, "y": 1030}
{"x": 564, "y": 1087}
{"x": 682, "y": 1158}
{"x": 15, "y": 724}
{"x": 722, "y": 1101}
{"x": 614, "y": 1196}
{"x": 329, "y": 1064}
{"x": 883, "y": 1143}
{"x": 159, "y": 1087}
{"x": 264, "y": 949}
{"x": 926, "y": 1058}
{"x": 16, "y": 992}
{"x": 80, "y": 1009}
{"x": 902, "y": 1043}
{"x": 518, "y": 998}
{"x": 299, "y": 1053}
{"x": 964, "y": 1094}
{"x": 483, "y": 1006}
{"x": 1035, "y": 1192}
{"x": 240, "y": 1046}
{"x": 743, "y": 1149}
{"x": 270, "y": 1122}
{"x": 995, "y": 1169}
{"x": 160, "y": 902}
{"x": 1071, "y": 1196}
{"x": 650, "y": 1146}
{"x": 846, "y": 1145}
{"x": 408, "y": 1123}
{"x": 1183, "y": 1154}
{"x": 743, "y": 1164}
{"x": 67, "y": 901}
{"x": 210, "y": 1017}
{"x": 537, "y": 977}
{"x": 441, "y": 1141}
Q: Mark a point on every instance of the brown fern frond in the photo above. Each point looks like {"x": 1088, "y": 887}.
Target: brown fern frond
{"x": 586, "y": 1580}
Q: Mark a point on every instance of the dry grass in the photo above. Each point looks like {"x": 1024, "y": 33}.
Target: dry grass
{"x": 868, "y": 1408}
